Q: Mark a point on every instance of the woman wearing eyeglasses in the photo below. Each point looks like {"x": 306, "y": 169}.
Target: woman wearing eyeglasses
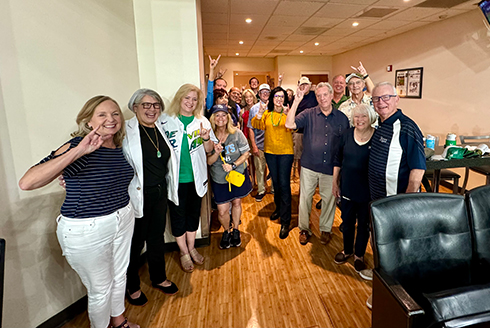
{"x": 191, "y": 138}
{"x": 278, "y": 149}
{"x": 230, "y": 153}
{"x": 148, "y": 149}
{"x": 351, "y": 185}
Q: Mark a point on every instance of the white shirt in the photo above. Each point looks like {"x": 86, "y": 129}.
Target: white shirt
{"x": 174, "y": 129}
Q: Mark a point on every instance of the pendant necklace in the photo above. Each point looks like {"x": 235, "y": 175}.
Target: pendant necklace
{"x": 280, "y": 116}
{"x": 159, "y": 154}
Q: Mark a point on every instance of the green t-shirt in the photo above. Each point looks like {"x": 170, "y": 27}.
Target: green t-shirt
{"x": 341, "y": 100}
{"x": 185, "y": 173}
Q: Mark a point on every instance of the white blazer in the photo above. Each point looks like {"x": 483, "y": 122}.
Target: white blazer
{"x": 134, "y": 155}
{"x": 174, "y": 129}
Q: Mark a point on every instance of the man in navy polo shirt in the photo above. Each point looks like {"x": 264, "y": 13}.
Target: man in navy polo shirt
{"x": 322, "y": 126}
{"x": 397, "y": 158}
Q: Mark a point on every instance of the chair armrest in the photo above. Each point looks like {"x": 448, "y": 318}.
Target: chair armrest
{"x": 392, "y": 305}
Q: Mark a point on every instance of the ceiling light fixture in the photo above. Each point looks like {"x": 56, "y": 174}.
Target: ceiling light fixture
{"x": 248, "y": 20}
{"x": 355, "y": 24}
{"x": 301, "y": 51}
{"x": 241, "y": 42}
{"x": 237, "y": 54}
{"x": 316, "y": 43}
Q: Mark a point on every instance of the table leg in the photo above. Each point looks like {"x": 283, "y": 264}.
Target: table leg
{"x": 436, "y": 180}
{"x": 465, "y": 182}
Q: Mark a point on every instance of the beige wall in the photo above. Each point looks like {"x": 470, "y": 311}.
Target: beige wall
{"x": 294, "y": 66}
{"x": 291, "y": 66}
{"x": 232, "y": 64}
{"x": 455, "y": 54}
{"x": 55, "y": 55}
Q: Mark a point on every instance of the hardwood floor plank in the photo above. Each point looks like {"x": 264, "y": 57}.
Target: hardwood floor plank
{"x": 266, "y": 282}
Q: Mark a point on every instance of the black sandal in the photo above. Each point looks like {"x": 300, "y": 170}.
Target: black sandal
{"x": 124, "y": 324}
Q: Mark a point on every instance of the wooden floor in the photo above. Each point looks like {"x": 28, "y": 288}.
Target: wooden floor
{"x": 266, "y": 282}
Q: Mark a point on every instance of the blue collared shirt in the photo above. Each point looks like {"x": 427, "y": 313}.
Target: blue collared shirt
{"x": 321, "y": 137}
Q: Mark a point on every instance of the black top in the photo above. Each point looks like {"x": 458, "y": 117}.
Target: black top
{"x": 154, "y": 168}
{"x": 96, "y": 183}
{"x": 353, "y": 160}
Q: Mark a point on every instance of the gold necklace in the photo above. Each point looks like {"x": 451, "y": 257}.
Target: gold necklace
{"x": 159, "y": 154}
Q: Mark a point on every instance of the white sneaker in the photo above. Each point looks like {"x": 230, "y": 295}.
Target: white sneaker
{"x": 369, "y": 302}
{"x": 366, "y": 274}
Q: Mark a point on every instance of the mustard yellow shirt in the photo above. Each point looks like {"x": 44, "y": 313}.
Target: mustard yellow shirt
{"x": 278, "y": 139}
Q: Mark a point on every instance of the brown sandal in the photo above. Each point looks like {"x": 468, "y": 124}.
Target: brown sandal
{"x": 186, "y": 262}
{"x": 196, "y": 257}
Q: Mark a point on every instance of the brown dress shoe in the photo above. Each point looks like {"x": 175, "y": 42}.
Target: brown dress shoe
{"x": 325, "y": 237}
{"x": 304, "y": 236}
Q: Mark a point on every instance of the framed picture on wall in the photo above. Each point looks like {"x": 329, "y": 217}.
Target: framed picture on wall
{"x": 408, "y": 82}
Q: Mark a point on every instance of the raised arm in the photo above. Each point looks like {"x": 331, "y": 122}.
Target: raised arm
{"x": 213, "y": 156}
{"x": 257, "y": 121}
{"x": 212, "y": 65}
{"x": 290, "y": 123}
{"x": 40, "y": 175}
{"x": 279, "y": 79}
{"x": 369, "y": 83}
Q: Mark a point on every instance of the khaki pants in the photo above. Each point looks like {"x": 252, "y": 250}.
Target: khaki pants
{"x": 259, "y": 162}
{"x": 308, "y": 181}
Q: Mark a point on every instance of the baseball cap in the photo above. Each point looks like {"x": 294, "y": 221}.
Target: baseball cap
{"x": 264, "y": 86}
{"x": 219, "y": 108}
{"x": 353, "y": 75}
{"x": 304, "y": 80}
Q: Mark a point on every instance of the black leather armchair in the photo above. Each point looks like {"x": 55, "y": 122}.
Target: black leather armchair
{"x": 425, "y": 271}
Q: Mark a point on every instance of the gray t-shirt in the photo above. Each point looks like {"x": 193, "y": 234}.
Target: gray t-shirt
{"x": 235, "y": 146}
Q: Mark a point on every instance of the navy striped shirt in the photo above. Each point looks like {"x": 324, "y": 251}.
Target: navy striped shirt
{"x": 96, "y": 184}
{"x": 396, "y": 149}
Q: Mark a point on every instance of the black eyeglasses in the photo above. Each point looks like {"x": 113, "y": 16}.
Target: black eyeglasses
{"x": 385, "y": 98}
{"x": 147, "y": 105}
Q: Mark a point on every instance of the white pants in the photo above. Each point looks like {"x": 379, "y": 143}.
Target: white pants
{"x": 308, "y": 181}
{"x": 98, "y": 250}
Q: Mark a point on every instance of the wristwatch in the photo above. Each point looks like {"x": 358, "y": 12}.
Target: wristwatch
{"x": 233, "y": 165}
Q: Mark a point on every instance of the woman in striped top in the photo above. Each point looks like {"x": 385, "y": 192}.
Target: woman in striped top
{"x": 97, "y": 219}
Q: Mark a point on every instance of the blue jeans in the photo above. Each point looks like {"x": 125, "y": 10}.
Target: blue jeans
{"x": 280, "y": 168}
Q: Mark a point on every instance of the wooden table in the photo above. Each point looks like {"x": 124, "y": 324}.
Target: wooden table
{"x": 453, "y": 163}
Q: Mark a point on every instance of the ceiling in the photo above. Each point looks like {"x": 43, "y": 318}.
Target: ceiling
{"x": 286, "y": 27}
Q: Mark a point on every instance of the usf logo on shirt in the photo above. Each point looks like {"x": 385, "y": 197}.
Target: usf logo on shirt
{"x": 193, "y": 138}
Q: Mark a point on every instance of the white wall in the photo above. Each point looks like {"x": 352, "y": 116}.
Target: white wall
{"x": 169, "y": 45}
{"x": 455, "y": 54}
{"x": 55, "y": 55}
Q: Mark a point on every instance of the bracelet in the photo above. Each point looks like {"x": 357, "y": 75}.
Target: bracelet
{"x": 205, "y": 139}
{"x": 365, "y": 76}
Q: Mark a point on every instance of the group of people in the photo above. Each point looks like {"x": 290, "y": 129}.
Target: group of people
{"x": 120, "y": 177}
{"x": 355, "y": 148}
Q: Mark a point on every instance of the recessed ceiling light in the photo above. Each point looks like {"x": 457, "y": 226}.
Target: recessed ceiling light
{"x": 241, "y": 42}
{"x": 236, "y": 73}
{"x": 406, "y": 0}
{"x": 301, "y": 51}
{"x": 237, "y": 54}
{"x": 316, "y": 43}
{"x": 248, "y": 20}
{"x": 355, "y": 24}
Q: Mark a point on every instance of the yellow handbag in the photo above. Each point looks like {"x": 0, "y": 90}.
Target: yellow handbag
{"x": 233, "y": 177}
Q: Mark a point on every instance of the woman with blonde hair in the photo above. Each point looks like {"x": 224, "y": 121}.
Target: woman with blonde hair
{"x": 96, "y": 222}
{"x": 191, "y": 137}
{"x": 230, "y": 153}
{"x": 248, "y": 100}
